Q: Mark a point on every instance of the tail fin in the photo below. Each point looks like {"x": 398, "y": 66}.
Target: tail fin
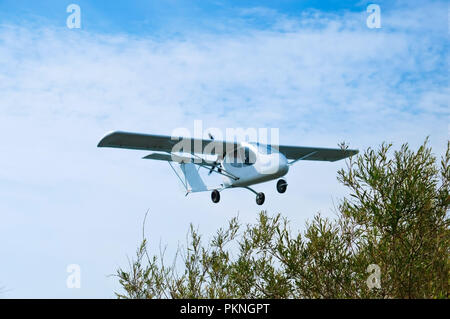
{"x": 194, "y": 181}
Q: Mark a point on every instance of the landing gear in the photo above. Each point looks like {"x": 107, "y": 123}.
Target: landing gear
{"x": 260, "y": 198}
{"x": 215, "y": 196}
{"x": 281, "y": 186}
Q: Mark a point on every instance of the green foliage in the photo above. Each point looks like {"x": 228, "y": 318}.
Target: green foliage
{"x": 395, "y": 217}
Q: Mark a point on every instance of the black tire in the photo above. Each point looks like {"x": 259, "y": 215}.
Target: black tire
{"x": 215, "y": 196}
{"x": 260, "y": 198}
{"x": 281, "y": 186}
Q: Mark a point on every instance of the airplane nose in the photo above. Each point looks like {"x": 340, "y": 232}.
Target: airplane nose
{"x": 275, "y": 165}
{"x": 283, "y": 166}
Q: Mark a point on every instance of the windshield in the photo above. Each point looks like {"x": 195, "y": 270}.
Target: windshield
{"x": 263, "y": 148}
{"x": 242, "y": 157}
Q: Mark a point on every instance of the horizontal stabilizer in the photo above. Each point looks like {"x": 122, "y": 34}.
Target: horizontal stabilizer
{"x": 168, "y": 158}
{"x": 179, "y": 159}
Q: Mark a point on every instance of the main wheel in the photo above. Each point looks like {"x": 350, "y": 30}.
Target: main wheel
{"x": 215, "y": 196}
{"x": 260, "y": 198}
{"x": 281, "y": 186}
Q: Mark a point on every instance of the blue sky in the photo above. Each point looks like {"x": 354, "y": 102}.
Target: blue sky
{"x": 310, "y": 68}
{"x": 146, "y": 17}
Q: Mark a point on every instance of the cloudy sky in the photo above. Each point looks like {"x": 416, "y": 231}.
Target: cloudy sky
{"x": 313, "y": 69}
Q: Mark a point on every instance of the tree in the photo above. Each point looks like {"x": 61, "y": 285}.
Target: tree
{"x": 395, "y": 219}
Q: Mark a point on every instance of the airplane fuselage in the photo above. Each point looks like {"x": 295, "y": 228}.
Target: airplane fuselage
{"x": 260, "y": 164}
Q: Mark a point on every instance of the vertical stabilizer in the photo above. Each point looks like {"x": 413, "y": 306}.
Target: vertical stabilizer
{"x": 194, "y": 181}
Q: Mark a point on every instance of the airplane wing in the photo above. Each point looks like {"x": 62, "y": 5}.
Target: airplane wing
{"x": 164, "y": 143}
{"x": 297, "y": 153}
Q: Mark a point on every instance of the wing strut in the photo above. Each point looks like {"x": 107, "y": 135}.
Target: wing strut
{"x": 179, "y": 177}
{"x": 302, "y": 158}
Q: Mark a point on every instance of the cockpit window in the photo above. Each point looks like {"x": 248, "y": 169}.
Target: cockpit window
{"x": 242, "y": 157}
{"x": 234, "y": 159}
{"x": 263, "y": 148}
{"x": 249, "y": 157}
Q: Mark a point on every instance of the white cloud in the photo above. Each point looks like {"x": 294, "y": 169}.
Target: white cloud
{"x": 322, "y": 79}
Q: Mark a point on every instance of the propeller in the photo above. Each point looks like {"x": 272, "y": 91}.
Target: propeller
{"x": 215, "y": 164}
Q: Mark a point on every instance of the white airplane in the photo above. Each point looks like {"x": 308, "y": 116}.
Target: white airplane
{"x": 242, "y": 164}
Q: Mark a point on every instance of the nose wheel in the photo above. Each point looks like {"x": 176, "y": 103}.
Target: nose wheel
{"x": 260, "y": 198}
{"x": 215, "y": 196}
{"x": 281, "y": 186}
